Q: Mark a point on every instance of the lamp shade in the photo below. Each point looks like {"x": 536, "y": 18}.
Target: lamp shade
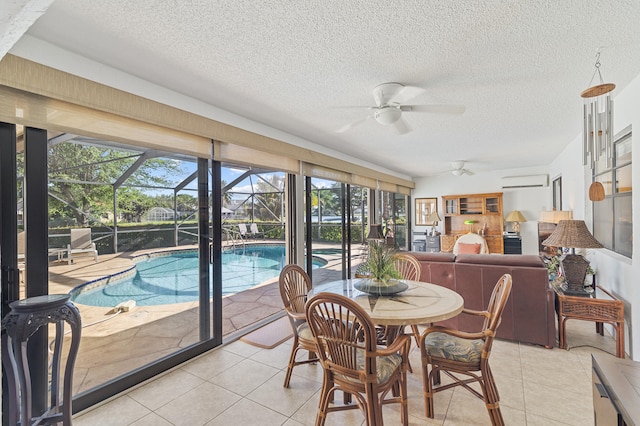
{"x": 433, "y": 217}
{"x": 515, "y": 216}
{"x": 596, "y": 191}
{"x": 375, "y": 232}
{"x": 572, "y": 234}
{"x": 555, "y": 216}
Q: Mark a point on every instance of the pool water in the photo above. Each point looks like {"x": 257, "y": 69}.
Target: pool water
{"x": 173, "y": 278}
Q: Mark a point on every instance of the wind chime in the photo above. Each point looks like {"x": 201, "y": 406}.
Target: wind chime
{"x": 598, "y": 127}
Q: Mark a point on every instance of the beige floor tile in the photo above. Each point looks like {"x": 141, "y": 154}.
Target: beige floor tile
{"x": 562, "y": 405}
{"x": 243, "y": 349}
{"x": 212, "y": 363}
{"x": 247, "y": 412}
{"x": 121, "y": 411}
{"x": 157, "y": 393}
{"x": 151, "y": 419}
{"x": 307, "y": 414}
{"x": 284, "y": 400}
{"x": 274, "y": 357}
{"x": 292, "y": 422}
{"x": 539, "y": 420}
{"x": 246, "y": 376}
{"x": 198, "y": 406}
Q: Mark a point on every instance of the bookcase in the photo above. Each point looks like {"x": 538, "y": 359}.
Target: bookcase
{"x": 485, "y": 213}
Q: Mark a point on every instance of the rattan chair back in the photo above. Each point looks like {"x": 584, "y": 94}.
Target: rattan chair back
{"x": 352, "y": 362}
{"x": 294, "y": 285}
{"x": 464, "y": 356}
{"x": 408, "y": 266}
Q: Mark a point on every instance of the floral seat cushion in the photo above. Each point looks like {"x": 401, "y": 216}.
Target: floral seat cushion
{"x": 442, "y": 345}
{"x": 385, "y": 366}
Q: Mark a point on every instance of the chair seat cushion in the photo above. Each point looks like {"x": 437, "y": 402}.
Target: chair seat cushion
{"x": 442, "y": 345}
{"x": 386, "y": 366}
{"x": 304, "y": 332}
{"x": 464, "y": 248}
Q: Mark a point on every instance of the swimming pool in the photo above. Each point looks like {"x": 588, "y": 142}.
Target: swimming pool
{"x": 172, "y": 277}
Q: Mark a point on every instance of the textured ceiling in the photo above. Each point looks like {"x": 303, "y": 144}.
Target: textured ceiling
{"x": 517, "y": 66}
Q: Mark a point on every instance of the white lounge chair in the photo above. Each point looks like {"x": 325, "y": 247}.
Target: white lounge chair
{"x": 243, "y": 230}
{"x": 81, "y": 244}
{"x": 255, "y": 233}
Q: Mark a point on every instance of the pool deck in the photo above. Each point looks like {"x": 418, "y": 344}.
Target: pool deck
{"x": 117, "y": 342}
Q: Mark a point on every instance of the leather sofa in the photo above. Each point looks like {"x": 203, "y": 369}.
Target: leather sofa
{"x": 529, "y": 315}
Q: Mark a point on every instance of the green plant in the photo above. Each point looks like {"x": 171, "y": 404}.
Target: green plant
{"x": 553, "y": 265}
{"x": 379, "y": 264}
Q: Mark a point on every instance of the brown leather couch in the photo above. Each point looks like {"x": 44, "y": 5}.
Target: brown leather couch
{"x": 529, "y": 315}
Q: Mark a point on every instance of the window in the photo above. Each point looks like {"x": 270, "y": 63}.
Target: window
{"x": 612, "y": 217}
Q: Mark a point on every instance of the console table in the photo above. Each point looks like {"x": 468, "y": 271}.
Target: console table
{"x": 610, "y": 311}
{"x": 616, "y": 390}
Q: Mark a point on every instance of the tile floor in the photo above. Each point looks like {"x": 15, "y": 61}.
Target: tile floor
{"x": 242, "y": 384}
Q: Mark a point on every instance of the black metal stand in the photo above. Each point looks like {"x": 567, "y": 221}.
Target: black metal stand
{"x": 25, "y": 318}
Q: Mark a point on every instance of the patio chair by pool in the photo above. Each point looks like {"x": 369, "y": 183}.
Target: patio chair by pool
{"x": 243, "y": 230}
{"x": 255, "y": 233}
{"x": 81, "y": 245}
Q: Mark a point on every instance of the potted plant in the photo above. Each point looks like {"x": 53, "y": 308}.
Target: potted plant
{"x": 382, "y": 277}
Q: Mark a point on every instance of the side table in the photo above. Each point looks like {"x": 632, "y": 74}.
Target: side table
{"x": 591, "y": 309}
{"x": 24, "y": 319}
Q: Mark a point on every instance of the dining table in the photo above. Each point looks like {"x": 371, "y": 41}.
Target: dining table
{"x": 420, "y": 303}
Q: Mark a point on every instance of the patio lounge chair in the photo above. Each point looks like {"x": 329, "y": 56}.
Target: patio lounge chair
{"x": 81, "y": 244}
{"x": 243, "y": 230}
{"x": 255, "y": 233}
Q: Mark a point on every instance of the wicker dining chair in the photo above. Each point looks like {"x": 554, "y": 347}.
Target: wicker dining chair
{"x": 352, "y": 361}
{"x": 409, "y": 268}
{"x": 294, "y": 285}
{"x": 458, "y": 353}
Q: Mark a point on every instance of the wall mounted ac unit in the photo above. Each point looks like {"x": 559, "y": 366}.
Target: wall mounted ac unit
{"x": 531, "y": 181}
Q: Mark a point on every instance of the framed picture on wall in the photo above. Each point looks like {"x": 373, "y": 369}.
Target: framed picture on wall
{"x": 424, "y": 208}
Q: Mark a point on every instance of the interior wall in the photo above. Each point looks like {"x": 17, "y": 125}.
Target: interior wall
{"x": 618, "y": 273}
{"x": 530, "y": 201}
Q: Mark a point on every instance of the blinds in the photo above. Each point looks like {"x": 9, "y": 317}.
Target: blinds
{"x": 40, "y": 96}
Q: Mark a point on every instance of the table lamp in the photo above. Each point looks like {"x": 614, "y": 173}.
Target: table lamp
{"x": 434, "y": 219}
{"x": 375, "y": 232}
{"x": 573, "y": 234}
{"x": 515, "y": 216}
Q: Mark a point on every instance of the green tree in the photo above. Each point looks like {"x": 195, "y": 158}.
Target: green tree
{"x": 81, "y": 179}
{"x": 268, "y": 197}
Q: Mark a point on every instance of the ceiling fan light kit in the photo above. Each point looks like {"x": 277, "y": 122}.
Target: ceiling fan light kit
{"x": 457, "y": 168}
{"x": 389, "y": 101}
{"x": 387, "y": 115}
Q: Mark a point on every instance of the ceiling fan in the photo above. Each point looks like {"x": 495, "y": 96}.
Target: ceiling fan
{"x": 388, "y": 107}
{"x": 457, "y": 168}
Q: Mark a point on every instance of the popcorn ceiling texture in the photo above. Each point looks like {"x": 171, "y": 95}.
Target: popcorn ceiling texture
{"x": 517, "y": 66}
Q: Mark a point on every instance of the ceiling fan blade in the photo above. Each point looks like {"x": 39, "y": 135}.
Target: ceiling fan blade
{"x": 401, "y": 127}
{"x": 351, "y": 125}
{"x": 468, "y": 172}
{"x": 438, "y": 109}
{"x": 407, "y": 94}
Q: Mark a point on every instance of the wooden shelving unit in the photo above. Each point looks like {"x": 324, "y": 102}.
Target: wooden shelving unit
{"x": 480, "y": 208}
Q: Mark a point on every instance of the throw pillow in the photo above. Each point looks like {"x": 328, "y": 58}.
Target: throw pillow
{"x": 464, "y": 248}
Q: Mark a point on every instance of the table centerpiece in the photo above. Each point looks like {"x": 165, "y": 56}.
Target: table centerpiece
{"x": 380, "y": 276}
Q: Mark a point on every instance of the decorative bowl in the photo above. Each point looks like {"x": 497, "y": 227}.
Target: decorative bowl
{"x": 380, "y": 288}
